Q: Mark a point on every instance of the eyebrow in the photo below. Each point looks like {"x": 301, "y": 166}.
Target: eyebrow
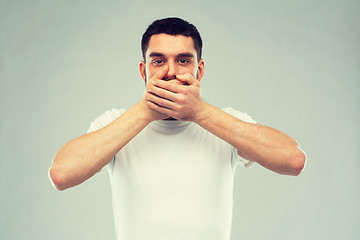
{"x": 157, "y": 54}
{"x": 187, "y": 55}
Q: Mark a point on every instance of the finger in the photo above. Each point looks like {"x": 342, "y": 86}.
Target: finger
{"x": 161, "y": 89}
{"x": 162, "y": 102}
{"x": 187, "y": 78}
{"x": 160, "y": 109}
{"x": 174, "y": 86}
{"x": 162, "y": 93}
{"x": 162, "y": 73}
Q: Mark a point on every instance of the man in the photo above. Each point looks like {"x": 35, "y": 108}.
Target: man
{"x": 172, "y": 156}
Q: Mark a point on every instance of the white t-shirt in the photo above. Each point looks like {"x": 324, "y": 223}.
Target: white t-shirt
{"x": 173, "y": 181}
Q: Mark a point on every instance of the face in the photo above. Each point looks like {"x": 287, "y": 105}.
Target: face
{"x": 177, "y": 52}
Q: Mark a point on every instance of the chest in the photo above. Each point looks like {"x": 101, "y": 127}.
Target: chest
{"x": 186, "y": 163}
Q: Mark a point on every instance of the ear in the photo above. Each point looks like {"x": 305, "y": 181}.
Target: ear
{"x": 142, "y": 69}
{"x": 201, "y": 69}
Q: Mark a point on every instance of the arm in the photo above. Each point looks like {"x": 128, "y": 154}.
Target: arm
{"x": 264, "y": 145}
{"x": 269, "y": 147}
{"x": 84, "y": 156}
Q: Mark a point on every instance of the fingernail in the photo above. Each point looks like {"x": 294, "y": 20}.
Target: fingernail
{"x": 154, "y": 83}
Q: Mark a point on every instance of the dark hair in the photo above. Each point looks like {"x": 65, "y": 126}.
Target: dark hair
{"x": 172, "y": 26}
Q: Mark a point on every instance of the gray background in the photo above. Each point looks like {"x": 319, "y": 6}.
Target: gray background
{"x": 293, "y": 65}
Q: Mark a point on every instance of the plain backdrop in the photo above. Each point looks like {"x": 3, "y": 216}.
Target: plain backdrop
{"x": 290, "y": 64}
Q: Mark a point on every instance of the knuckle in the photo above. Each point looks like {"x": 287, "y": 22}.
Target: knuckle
{"x": 161, "y": 83}
{"x": 163, "y": 94}
{"x": 161, "y": 102}
{"x": 179, "y": 108}
{"x": 175, "y": 108}
{"x": 181, "y": 100}
{"x": 149, "y": 96}
{"x": 177, "y": 115}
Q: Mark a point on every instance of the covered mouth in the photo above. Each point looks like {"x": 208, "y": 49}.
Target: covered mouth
{"x": 174, "y": 78}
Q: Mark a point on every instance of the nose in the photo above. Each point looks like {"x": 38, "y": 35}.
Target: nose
{"x": 172, "y": 71}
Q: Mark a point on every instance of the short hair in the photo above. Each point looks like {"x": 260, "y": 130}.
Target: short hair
{"x": 172, "y": 26}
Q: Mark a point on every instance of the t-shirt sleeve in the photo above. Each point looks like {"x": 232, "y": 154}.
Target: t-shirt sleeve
{"x": 105, "y": 119}
{"x": 246, "y": 118}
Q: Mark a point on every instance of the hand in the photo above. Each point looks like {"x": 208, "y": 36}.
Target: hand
{"x": 153, "y": 114}
{"x": 179, "y": 101}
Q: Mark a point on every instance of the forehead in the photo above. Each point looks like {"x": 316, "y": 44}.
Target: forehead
{"x": 170, "y": 45}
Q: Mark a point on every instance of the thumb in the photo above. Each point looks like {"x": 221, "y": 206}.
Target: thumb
{"x": 162, "y": 73}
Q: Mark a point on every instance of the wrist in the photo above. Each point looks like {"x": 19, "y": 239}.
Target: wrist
{"x": 143, "y": 112}
{"x": 146, "y": 113}
{"x": 203, "y": 114}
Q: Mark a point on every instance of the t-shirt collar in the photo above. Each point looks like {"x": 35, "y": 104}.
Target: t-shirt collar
{"x": 169, "y": 126}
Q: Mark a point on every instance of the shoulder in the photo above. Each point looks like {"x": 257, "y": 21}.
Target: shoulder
{"x": 105, "y": 119}
{"x": 240, "y": 115}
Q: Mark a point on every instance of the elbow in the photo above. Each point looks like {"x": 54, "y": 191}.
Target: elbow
{"x": 297, "y": 162}
{"x": 57, "y": 179}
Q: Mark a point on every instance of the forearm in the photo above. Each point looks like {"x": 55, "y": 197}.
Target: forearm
{"x": 84, "y": 156}
{"x": 264, "y": 145}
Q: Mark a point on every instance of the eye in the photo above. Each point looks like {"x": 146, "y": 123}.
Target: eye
{"x": 157, "y": 62}
{"x": 183, "y": 61}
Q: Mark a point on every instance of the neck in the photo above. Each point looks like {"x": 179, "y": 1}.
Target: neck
{"x": 170, "y": 119}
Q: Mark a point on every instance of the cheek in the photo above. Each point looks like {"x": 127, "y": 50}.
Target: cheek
{"x": 193, "y": 70}
{"x": 195, "y": 73}
{"x": 149, "y": 73}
